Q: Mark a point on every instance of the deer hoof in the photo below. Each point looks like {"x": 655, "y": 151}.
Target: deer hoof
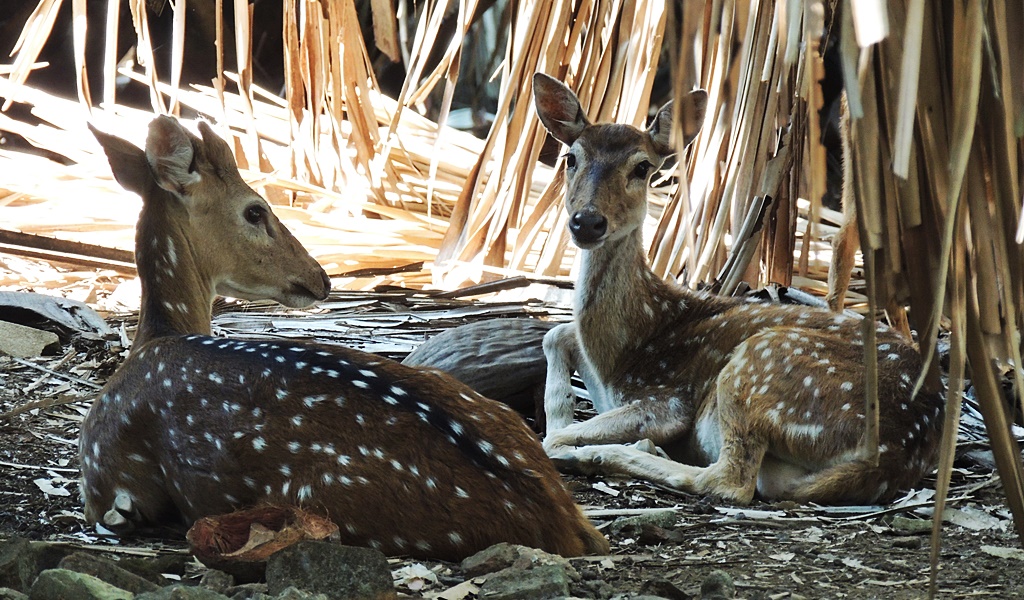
{"x": 646, "y": 445}
{"x": 122, "y": 514}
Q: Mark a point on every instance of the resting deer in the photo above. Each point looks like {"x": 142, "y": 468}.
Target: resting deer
{"x": 747, "y": 397}
{"x": 407, "y": 461}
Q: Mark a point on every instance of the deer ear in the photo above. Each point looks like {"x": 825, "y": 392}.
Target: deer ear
{"x": 692, "y": 108}
{"x": 216, "y": 150}
{"x": 558, "y": 108}
{"x": 171, "y": 155}
{"x": 127, "y": 162}
{"x": 660, "y": 131}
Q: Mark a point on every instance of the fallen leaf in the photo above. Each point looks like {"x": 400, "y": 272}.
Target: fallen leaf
{"x": 49, "y": 489}
{"x": 972, "y": 518}
{"x": 1000, "y": 552}
{"x": 853, "y": 563}
{"x": 415, "y": 577}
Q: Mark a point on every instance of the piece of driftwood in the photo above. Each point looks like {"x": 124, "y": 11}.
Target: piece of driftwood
{"x": 240, "y": 542}
{"x": 28, "y": 309}
{"x": 499, "y": 358}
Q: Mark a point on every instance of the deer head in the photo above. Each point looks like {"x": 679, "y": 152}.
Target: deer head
{"x": 608, "y": 167}
{"x": 240, "y": 247}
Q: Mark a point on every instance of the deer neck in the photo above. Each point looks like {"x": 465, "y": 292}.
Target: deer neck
{"x": 177, "y": 296}
{"x": 616, "y": 302}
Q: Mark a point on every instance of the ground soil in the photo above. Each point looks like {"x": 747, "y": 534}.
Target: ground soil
{"x": 769, "y": 551}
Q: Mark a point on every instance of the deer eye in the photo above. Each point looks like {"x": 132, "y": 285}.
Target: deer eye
{"x": 255, "y": 214}
{"x": 570, "y": 161}
{"x": 642, "y": 170}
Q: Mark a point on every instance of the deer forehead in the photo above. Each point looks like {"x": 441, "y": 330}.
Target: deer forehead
{"x": 615, "y": 144}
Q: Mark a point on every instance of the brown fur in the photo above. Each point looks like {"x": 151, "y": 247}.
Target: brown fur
{"x": 746, "y": 397}
{"x": 847, "y": 240}
{"x": 407, "y": 461}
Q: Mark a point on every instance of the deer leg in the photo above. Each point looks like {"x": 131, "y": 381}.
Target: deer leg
{"x": 562, "y": 352}
{"x": 844, "y": 247}
{"x": 636, "y": 421}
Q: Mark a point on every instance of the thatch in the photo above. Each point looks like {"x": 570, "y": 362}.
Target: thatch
{"x": 937, "y": 111}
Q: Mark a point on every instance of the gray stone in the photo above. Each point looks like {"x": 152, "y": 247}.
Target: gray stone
{"x": 539, "y": 583}
{"x": 17, "y": 565}
{"x": 218, "y": 581}
{"x": 663, "y": 518}
{"x": 153, "y": 568}
{"x": 718, "y": 585}
{"x": 108, "y": 571}
{"x": 291, "y": 593}
{"x": 342, "y": 572}
{"x": 247, "y": 591}
{"x": 61, "y": 584}
{"x": 9, "y": 594}
{"x": 505, "y": 555}
{"x": 47, "y": 556}
{"x": 663, "y": 588}
{"x": 182, "y": 592}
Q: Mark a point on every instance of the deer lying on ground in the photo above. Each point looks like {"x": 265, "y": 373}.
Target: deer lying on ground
{"x": 403, "y": 460}
{"x": 749, "y": 398}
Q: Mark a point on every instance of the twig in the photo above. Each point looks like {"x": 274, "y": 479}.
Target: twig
{"x": 37, "y": 467}
{"x": 71, "y": 378}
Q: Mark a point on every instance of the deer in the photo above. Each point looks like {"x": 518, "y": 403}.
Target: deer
{"x": 709, "y": 395}
{"x": 846, "y": 241}
{"x": 403, "y": 460}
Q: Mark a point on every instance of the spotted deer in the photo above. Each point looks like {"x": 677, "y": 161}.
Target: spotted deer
{"x": 743, "y": 398}
{"x": 404, "y": 460}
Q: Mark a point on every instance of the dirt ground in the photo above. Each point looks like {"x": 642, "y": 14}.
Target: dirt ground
{"x": 769, "y": 550}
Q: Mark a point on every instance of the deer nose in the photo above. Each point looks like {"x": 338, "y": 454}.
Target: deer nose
{"x": 588, "y": 226}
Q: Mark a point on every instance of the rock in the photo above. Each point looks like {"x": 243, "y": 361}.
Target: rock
{"x": 539, "y": 583}
{"x": 17, "y": 565}
{"x": 505, "y": 555}
{"x": 218, "y": 581}
{"x": 592, "y": 588}
{"x": 107, "y": 570}
{"x": 9, "y": 594}
{"x": 182, "y": 592}
{"x": 718, "y": 585}
{"x": 342, "y": 572}
{"x": 25, "y": 342}
{"x": 62, "y": 584}
{"x": 247, "y": 590}
{"x": 153, "y": 568}
{"x": 297, "y": 594}
{"x": 47, "y": 556}
{"x": 666, "y": 519}
{"x": 663, "y": 588}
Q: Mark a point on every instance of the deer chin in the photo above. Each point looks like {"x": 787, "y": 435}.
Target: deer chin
{"x": 588, "y": 244}
{"x": 295, "y": 295}
{"x": 298, "y": 296}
